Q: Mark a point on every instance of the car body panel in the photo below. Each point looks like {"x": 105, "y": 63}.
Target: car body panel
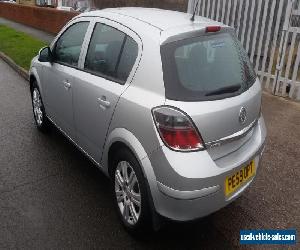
{"x": 194, "y": 208}
{"x": 139, "y": 122}
{"x": 58, "y": 98}
{"x": 91, "y": 118}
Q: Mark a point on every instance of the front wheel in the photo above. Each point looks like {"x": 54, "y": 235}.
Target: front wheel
{"x": 130, "y": 192}
{"x": 39, "y": 114}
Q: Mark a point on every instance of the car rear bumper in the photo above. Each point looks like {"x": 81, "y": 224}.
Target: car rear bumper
{"x": 190, "y": 205}
{"x": 184, "y": 196}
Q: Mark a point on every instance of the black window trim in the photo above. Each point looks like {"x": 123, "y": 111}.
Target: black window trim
{"x": 66, "y": 29}
{"x": 121, "y": 54}
{"x": 106, "y": 77}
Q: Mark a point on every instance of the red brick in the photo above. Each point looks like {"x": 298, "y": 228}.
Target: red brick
{"x": 47, "y": 19}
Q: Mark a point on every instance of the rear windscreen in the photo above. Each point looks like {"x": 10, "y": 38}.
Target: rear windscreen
{"x": 206, "y": 68}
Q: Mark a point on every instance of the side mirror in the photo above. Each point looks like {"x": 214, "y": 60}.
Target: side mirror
{"x": 45, "y": 55}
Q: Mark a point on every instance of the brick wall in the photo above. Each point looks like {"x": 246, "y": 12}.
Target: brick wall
{"x": 47, "y": 19}
{"x": 52, "y": 20}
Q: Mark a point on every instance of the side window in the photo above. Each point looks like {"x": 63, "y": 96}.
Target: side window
{"x": 105, "y": 57}
{"x": 68, "y": 46}
{"x": 128, "y": 57}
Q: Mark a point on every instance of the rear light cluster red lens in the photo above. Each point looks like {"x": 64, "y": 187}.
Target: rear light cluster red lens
{"x": 176, "y": 129}
{"x": 213, "y": 28}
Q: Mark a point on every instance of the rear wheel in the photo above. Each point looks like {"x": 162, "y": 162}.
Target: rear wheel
{"x": 39, "y": 114}
{"x": 130, "y": 192}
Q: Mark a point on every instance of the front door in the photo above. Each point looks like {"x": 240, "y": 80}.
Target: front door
{"x": 58, "y": 76}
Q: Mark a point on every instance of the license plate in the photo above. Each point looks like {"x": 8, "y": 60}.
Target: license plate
{"x": 237, "y": 179}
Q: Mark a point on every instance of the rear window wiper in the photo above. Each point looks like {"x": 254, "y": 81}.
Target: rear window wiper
{"x": 224, "y": 90}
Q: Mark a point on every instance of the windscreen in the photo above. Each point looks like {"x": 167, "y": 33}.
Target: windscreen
{"x": 206, "y": 68}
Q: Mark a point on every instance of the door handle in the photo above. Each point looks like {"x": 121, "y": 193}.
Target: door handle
{"x": 67, "y": 84}
{"x": 103, "y": 103}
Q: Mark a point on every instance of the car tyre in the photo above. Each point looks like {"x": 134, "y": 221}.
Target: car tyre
{"x": 131, "y": 196}
{"x": 39, "y": 114}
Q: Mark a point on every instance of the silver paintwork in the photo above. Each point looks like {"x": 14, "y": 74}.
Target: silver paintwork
{"x": 79, "y": 148}
{"x": 187, "y": 195}
{"x": 233, "y": 137}
{"x": 127, "y": 191}
{"x": 94, "y": 113}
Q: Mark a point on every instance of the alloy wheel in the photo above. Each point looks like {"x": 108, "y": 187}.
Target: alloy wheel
{"x": 127, "y": 191}
{"x": 37, "y": 106}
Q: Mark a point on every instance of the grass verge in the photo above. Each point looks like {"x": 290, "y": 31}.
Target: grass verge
{"x": 19, "y": 46}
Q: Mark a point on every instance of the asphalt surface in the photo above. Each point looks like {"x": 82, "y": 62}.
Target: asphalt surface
{"x": 52, "y": 197}
{"x": 42, "y": 35}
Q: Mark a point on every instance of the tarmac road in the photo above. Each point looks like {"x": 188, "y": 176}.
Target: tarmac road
{"x": 52, "y": 197}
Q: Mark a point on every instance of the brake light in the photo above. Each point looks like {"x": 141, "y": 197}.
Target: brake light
{"x": 176, "y": 129}
{"x": 213, "y": 28}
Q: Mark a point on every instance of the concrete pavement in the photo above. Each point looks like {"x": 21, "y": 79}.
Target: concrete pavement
{"x": 42, "y": 35}
{"x": 52, "y": 197}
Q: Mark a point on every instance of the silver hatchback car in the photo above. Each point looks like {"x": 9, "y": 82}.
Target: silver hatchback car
{"x": 168, "y": 107}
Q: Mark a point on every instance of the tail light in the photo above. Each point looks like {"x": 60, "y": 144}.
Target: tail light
{"x": 176, "y": 129}
{"x": 212, "y": 29}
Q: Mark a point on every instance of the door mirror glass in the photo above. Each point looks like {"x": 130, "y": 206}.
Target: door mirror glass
{"x": 45, "y": 55}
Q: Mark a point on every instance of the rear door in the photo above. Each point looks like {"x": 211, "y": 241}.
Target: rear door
{"x": 211, "y": 79}
{"x": 106, "y": 72}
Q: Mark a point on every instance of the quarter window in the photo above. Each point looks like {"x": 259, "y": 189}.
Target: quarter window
{"x": 68, "y": 46}
{"x": 111, "y": 53}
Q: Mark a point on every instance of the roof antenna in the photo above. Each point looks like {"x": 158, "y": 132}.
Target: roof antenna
{"x": 193, "y": 17}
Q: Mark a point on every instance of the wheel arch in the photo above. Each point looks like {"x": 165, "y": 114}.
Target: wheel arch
{"x": 121, "y": 137}
{"x": 34, "y": 77}
{"x": 118, "y": 138}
